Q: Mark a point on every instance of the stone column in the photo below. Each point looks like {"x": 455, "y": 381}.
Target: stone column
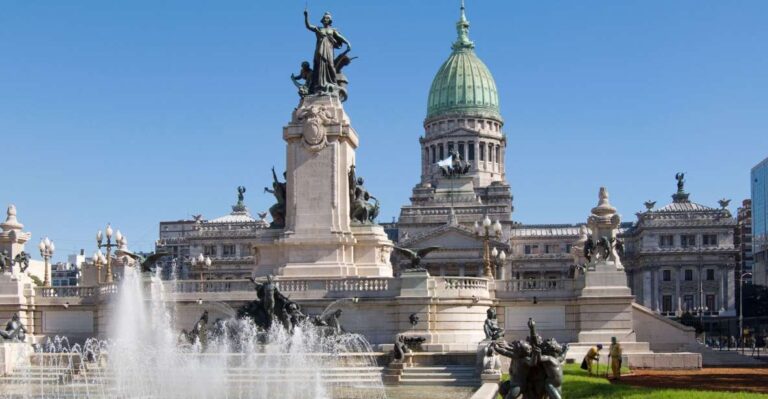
{"x": 677, "y": 291}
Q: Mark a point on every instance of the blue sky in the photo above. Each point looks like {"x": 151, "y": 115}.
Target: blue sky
{"x": 136, "y": 112}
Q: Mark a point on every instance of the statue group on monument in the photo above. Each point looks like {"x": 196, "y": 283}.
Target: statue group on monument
{"x": 278, "y": 209}
{"x": 536, "y": 368}
{"x": 361, "y": 210}
{"x": 457, "y": 166}
{"x": 325, "y": 76}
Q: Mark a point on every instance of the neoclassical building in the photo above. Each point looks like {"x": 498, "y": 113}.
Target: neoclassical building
{"x": 681, "y": 258}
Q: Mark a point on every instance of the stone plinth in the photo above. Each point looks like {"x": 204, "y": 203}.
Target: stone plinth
{"x": 318, "y": 239}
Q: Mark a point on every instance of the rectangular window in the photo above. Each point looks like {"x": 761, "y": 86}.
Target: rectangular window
{"x": 209, "y": 250}
{"x": 666, "y": 240}
{"x": 440, "y": 150}
{"x": 450, "y": 147}
{"x": 527, "y": 250}
{"x": 568, "y": 248}
{"x": 490, "y": 153}
{"x": 710, "y": 303}
{"x": 666, "y": 275}
{"x": 547, "y": 249}
{"x": 433, "y": 155}
{"x": 498, "y": 154}
{"x": 482, "y": 151}
{"x": 710, "y": 239}
{"x": 688, "y": 303}
{"x": 687, "y": 240}
{"x": 710, "y": 274}
{"x": 471, "y": 151}
{"x": 461, "y": 150}
{"x": 688, "y": 275}
{"x": 666, "y": 303}
{"x": 228, "y": 250}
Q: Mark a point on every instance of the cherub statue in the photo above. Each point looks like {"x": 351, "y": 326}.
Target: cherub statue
{"x": 22, "y": 259}
{"x": 305, "y": 75}
{"x": 5, "y": 262}
{"x": 491, "y": 326}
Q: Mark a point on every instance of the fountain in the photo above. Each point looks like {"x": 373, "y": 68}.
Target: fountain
{"x": 145, "y": 358}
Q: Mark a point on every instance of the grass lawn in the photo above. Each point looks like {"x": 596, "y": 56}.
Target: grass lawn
{"x": 578, "y": 384}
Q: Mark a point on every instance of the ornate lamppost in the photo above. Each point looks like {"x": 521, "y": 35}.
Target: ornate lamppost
{"x": 46, "y": 251}
{"x": 99, "y": 260}
{"x": 498, "y": 258}
{"x": 486, "y": 230}
{"x": 120, "y": 242}
{"x": 203, "y": 261}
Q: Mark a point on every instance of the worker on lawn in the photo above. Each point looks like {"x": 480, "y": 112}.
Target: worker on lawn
{"x": 614, "y": 353}
{"x": 593, "y": 354}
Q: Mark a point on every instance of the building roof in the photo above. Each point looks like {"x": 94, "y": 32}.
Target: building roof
{"x": 463, "y": 84}
{"x": 683, "y": 207}
{"x": 234, "y": 217}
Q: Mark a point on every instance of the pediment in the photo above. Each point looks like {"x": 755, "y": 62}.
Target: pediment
{"x": 450, "y": 237}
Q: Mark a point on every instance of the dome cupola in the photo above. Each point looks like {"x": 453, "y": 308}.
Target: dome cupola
{"x": 463, "y": 84}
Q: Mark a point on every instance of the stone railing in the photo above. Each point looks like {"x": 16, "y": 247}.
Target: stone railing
{"x": 540, "y": 287}
{"x": 76, "y": 291}
{"x": 464, "y": 283}
{"x": 462, "y": 287}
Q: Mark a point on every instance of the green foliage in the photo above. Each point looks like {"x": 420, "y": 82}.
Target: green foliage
{"x": 36, "y": 280}
{"x": 580, "y": 385}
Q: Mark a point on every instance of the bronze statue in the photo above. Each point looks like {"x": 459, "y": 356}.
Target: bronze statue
{"x": 324, "y": 72}
{"x": 413, "y": 319}
{"x": 22, "y": 259}
{"x": 332, "y": 321}
{"x": 589, "y": 248}
{"x": 361, "y": 211}
{"x": 400, "y": 348}
{"x": 199, "y": 332}
{"x": 240, "y": 195}
{"x": 680, "y": 177}
{"x": 277, "y": 210}
{"x": 458, "y": 166}
{"x": 14, "y": 330}
{"x": 491, "y": 326}
{"x": 536, "y": 368}
{"x": 5, "y": 262}
{"x": 415, "y": 256}
{"x": 305, "y": 74}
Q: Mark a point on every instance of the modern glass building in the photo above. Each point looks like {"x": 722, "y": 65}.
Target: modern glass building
{"x": 759, "y": 179}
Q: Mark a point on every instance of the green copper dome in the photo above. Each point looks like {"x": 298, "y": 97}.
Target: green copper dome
{"x": 463, "y": 85}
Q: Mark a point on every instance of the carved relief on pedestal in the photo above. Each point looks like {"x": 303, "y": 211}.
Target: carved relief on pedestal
{"x": 314, "y": 132}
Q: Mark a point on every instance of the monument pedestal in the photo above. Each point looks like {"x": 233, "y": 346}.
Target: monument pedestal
{"x": 319, "y": 239}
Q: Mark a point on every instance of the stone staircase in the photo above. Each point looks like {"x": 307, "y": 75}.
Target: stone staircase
{"x": 35, "y": 374}
{"x": 433, "y": 369}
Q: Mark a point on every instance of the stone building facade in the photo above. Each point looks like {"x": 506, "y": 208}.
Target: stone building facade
{"x": 742, "y": 240}
{"x": 759, "y": 181}
{"x": 681, "y": 258}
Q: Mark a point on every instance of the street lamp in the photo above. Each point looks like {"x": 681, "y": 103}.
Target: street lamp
{"x": 498, "y": 258}
{"x": 203, "y": 261}
{"x": 99, "y": 260}
{"x": 486, "y": 230}
{"x": 741, "y": 308}
{"x": 46, "y": 251}
{"x": 120, "y": 242}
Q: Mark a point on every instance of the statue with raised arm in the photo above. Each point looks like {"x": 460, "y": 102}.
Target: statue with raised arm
{"x": 277, "y": 210}
{"x": 521, "y": 355}
{"x": 551, "y": 358}
{"x": 324, "y": 73}
{"x": 14, "y": 330}
{"x": 680, "y": 177}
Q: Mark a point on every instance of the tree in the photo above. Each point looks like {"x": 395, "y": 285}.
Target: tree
{"x": 688, "y": 319}
{"x": 755, "y": 300}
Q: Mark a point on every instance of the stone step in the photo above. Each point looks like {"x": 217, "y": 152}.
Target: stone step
{"x": 438, "y": 381}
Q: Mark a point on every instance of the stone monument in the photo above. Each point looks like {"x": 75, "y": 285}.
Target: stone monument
{"x": 328, "y": 227}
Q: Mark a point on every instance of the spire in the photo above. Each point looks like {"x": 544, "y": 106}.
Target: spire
{"x": 462, "y": 30}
